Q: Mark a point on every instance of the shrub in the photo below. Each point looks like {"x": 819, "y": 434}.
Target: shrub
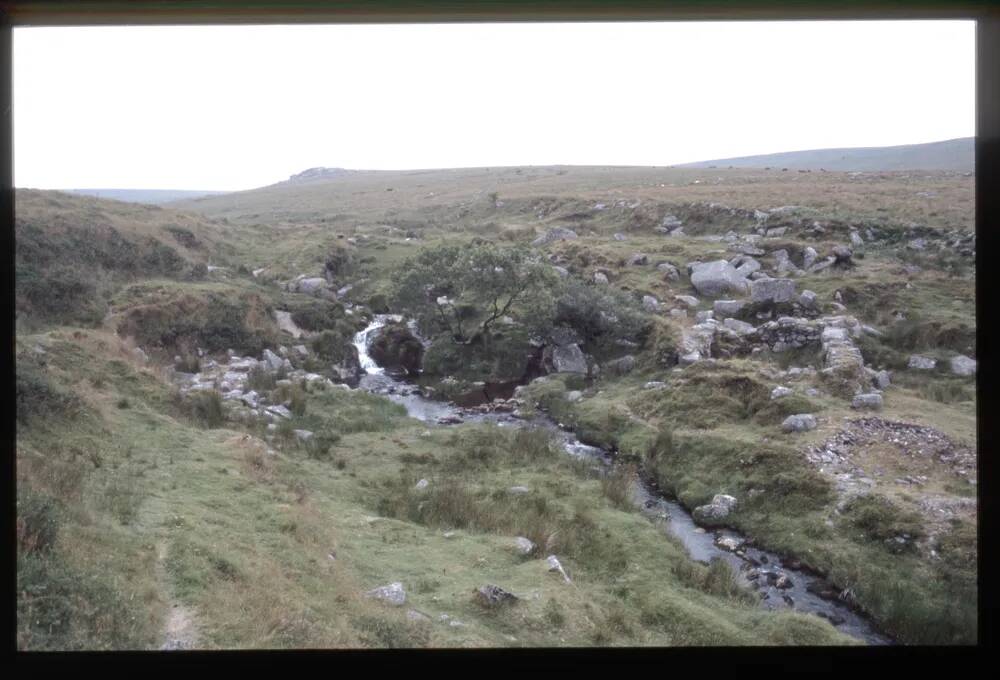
{"x": 317, "y": 314}
{"x": 321, "y": 443}
{"x": 122, "y": 496}
{"x": 881, "y": 519}
{"x": 261, "y": 380}
{"x": 617, "y": 486}
{"x": 216, "y": 320}
{"x": 197, "y": 272}
{"x": 335, "y": 345}
{"x": 205, "y": 406}
{"x": 439, "y": 285}
{"x": 554, "y": 613}
{"x": 601, "y": 315}
{"x": 189, "y": 363}
{"x": 61, "y": 607}
{"x": 64, "y": 293}
{"x": 506, "y": 357}
{"x": 37, "y": 521}
{"x": 297, "y": 401}
{"x": 392, "y": 633}
{"x": 38, "y": 397}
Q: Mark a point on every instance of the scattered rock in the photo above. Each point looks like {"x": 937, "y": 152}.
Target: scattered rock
{"x": 738, "y": 327}
{"x": 720, "y": 508}
{"x": 557, "y": 234}
{"x": 963, "y": 365}
{"x": 311, "y": 286}
{"x": 669, "y": 271}
{"x": 801, "y": 422}
{"x": 807, "y": 299}
{"x": 421, "y": 485}
{"x": 565, "y": 359}
{"x": 921, "y": 363}
{"x": 772, "y": 290}
{"x": 556, "y": 566}
{"x": 277, "y": 410}
{"x": 748, "y": 266}
{"x": 780, "y": 391}
{"x": 273, "y": 361}
{"x": 727, "y": 308}
{"x": 494, "y": 596}
{"x": 842, "y": 256}
{"x": 637, "y": 259}
{"x": 809, "y": 256}
{"x": 600, "y": 277}
{"x": 524, "y": 545}
{"x": 393, "y": 594}
{"x": 872, "y": 402}
{"x": 650, "y": 303}
{"x": 688, "y": 300}
{"x": 717, "y": 278}
{"x": 622, "y": 365}
{"x": 730, "y": 543}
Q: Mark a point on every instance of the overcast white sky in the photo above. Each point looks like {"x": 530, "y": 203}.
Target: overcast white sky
{"x": 236, "y": 107}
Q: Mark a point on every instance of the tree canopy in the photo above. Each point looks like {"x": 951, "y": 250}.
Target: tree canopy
{"x": 465, "y": 290}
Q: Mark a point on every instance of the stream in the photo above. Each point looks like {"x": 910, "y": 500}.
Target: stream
{"x": 755, "y": 568}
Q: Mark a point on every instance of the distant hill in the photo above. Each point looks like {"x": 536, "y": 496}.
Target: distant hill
{"x": 150, "y": 196}
{"x": 956, "y": 155}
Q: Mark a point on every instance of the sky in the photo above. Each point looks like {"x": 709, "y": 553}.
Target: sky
{"x": 237, "y": 107}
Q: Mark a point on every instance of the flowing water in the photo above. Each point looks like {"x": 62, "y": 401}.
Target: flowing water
{"x": 756, "y": 568}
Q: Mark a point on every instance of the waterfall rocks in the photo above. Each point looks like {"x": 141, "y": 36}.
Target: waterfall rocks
{"x": 393, "y": 346}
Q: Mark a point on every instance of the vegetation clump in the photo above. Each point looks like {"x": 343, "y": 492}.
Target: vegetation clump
{"x": 465, "y": 291}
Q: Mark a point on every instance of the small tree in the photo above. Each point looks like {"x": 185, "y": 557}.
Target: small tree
{"x": 465, "y": 290}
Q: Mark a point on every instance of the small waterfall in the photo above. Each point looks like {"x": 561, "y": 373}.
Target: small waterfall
{"x": 362, "y": 338}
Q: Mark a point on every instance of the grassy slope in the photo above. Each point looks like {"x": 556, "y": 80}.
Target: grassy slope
{"x": 240, "y": 530}
{"x": 73, "y": 252}
{"x": 245, "y": 538}
{"x": 429, "y": 196}
{"x": 955, "y": 155}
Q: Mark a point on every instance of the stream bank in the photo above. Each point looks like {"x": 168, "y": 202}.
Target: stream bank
{"x": 780, "y": 583}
